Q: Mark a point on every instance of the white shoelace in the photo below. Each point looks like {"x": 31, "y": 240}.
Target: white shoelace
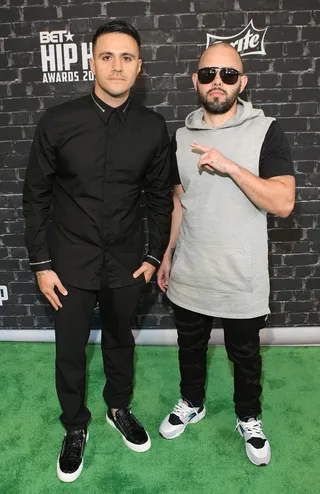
{"x": 253, "y": 427}
{"x": 182, "y": 410}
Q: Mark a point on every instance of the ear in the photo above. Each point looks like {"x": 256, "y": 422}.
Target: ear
{"x": 195, "y": 80}
{"x": 243, "y": 82}
{"x": 92, "y": 66}
{"x": 139, "y": 66}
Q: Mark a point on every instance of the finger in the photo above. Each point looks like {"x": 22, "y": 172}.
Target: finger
{"x": 149, "y": 271}
{"x": 160, "y": 273}
{"x": 204, "y": 163}
{"x": 139, "y": 271}
{"x": 207, "y": 162}
{"x": 209, "y": 166}
{"x": 167, "y": 277}
{"x": 160, "y": 280}
{"x": 148, "y": 274}
{"x": 205, "y": 158}
{"x": 206, "y": 155}
{"x": 61, "y": 288}
{"x": 56, "y": 300}
{"x": 53, "y": 297}
{"x": 162, "y": 286}
{"x": 201, "y": 147}
{"x": 54, "y": 305}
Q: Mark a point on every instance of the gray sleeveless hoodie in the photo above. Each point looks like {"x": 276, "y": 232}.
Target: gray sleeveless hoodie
{"x": 220, "y": 266}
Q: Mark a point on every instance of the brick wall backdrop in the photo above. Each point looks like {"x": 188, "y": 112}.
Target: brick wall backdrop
{"x": 284, "y": 83}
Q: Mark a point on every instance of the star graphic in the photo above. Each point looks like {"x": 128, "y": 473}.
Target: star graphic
{"x": 69, "y": 37}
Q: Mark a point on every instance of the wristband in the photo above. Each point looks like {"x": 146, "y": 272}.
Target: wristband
{"x": 45, "y": 271}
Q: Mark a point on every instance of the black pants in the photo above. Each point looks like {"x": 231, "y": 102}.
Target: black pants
{"x": 72, "y": 327}
{"x": 243, "y": 348}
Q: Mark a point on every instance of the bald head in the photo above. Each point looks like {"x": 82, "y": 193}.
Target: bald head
{"x": 221, "y": 55}
{"x": 218, "y": 92}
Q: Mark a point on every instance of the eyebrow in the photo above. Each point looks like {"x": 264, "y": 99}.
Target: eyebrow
{"x": 116, "y": 52}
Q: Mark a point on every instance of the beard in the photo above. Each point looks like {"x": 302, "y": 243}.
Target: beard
{"x": 215, "y": 106}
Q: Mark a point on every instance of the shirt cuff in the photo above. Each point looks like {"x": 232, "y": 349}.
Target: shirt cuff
{"x": 40, "y": 266}
{"x": 153, "y": 260}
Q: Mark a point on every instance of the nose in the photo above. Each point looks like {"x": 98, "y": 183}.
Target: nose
{"x": 217, "y": 80}
{"x": 117, "y": 64}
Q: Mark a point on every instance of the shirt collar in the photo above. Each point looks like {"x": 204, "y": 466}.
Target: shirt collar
{"x": 106, "y": 110}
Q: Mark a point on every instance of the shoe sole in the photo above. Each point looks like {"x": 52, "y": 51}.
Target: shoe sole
{"x": 138, "y": 448}
{"x": 70, "y": 477}
{"x": 178, "y": 433}
{"x": 257, "y": 463}
{"x": 264, "y": 464}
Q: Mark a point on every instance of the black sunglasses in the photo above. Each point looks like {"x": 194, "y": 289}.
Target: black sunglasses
{"x": 228, "y": 75}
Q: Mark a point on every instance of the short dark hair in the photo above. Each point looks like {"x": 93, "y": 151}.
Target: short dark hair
{"x": 116, "y": 26}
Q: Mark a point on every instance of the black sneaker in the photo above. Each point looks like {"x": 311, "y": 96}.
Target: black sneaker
{"x": 70, "y": 460}
{"x": 133, "y": 433}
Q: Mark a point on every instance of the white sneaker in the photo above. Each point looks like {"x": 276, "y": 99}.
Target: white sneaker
{"x": 257, "y": 445}
{"x": 182, "y": 415}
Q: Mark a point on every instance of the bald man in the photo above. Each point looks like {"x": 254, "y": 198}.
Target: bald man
{"x": 232, "y": 166}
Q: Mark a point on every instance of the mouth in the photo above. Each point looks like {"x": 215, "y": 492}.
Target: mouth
{"x": 216, "y": 92}
{"x": 116, "y": 79}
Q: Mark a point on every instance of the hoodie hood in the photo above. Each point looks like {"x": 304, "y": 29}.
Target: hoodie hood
{"x": 245, "y": 111}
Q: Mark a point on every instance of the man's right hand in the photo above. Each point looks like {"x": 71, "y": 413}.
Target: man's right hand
{"x": 164, "y": 273}
{"x": 47, "y": 283}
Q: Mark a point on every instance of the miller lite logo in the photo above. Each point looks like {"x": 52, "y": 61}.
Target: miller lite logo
{"x": 59, "y": 53}
{"x": 250, "y": 41}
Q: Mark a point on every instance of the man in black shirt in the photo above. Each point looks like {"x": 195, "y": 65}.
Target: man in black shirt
{"x": 90, "y": 160}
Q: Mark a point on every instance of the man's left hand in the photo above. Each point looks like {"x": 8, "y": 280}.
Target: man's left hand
{"x": 147, "y": 269}
{"x": 213, "y": 160}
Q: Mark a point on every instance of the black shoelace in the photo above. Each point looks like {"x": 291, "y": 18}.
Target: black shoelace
{"x": 128, "y": 423}
{"x": 73, "y": 448}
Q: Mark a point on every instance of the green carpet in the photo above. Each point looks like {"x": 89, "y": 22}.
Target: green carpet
{"x": 208, "y": 458}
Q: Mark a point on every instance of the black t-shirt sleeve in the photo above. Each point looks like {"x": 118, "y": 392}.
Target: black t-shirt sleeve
{"x": 175, "y": 177}
{"x": 275, "y": 156}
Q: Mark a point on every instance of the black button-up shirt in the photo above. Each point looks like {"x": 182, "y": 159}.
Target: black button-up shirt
{"x": 90, "y": 162}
